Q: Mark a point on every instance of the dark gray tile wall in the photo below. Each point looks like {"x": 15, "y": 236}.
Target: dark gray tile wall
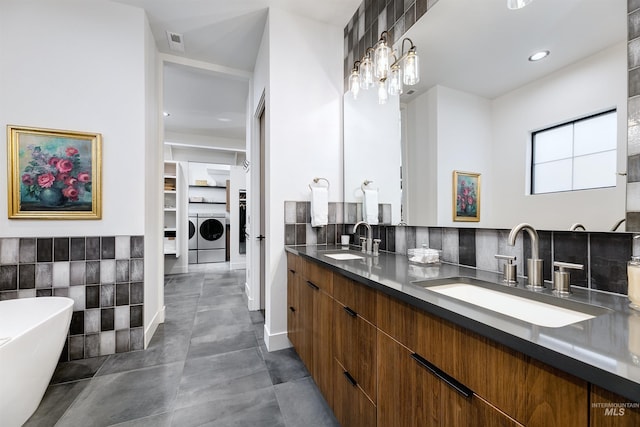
{"x": 104, "y": 275}
{"x": 375, "y": 16}
{"x": 603, "y": 255}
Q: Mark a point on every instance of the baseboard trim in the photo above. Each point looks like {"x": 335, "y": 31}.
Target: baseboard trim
{"x": 275, "y": 342}
{"x": 151, "y": 329}
{"x": 253, "y": 304}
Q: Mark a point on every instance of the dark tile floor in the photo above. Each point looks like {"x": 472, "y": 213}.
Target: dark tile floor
{"x": 207, "y": 365}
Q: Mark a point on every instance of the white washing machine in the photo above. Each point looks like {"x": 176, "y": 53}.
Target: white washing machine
{"x": 193, "y": 239}
{"x": 211, "y": 238}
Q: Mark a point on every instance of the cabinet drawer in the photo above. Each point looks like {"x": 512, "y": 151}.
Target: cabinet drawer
{"x": 351, "y": 406}
{"x": 356, "y": 296}
{"x": 318, "y": 276}
{"x": 355, "y": 347}
{"x": 292, "y": 263}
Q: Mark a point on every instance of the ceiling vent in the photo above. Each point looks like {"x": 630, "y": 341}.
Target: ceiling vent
{"x": 176, "y": 41}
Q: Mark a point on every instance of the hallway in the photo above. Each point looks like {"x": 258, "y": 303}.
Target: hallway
{"x": 206, "y": 365}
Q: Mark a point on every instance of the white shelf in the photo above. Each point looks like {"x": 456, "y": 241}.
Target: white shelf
{"x": 170, "y": 192}
{"x": 171, "y": 209}
{"x": 170, "y": 252}
{"x": 170, "y": 229}
{"x": 170, "y": 176}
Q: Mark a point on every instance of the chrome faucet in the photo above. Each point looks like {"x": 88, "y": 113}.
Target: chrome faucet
{"x": 534, "y": 264}
{"x": 577, "y": 226}
{"x": 366, "y": 247}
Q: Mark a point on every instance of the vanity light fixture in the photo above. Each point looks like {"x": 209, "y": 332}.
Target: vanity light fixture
{"x": 539, "y": 55}
{"x": 517, "y": 4}
{"x": 384, "y": 70}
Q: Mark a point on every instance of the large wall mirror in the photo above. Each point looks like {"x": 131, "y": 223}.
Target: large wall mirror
{"x": 477, "y": 105}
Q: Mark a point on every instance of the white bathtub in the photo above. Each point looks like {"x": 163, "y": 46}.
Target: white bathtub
{"x": 32, "y": 335}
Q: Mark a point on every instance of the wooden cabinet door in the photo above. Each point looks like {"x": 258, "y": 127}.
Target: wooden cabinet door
{"x": 351, "y": 406}
{"x": 305, "y": 323}
{"x": 323, "y": 343}
{"x": 355, "y": 347}
{"x": 408, "y": 396}
{"x": 609, "y": 409}
{"x": 293, "y": 306}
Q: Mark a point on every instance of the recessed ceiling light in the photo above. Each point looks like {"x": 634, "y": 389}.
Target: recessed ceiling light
{"x": 517, "y": 4}
{"x": 166, "y": 114}
{"x": 539, "y": 55}
{"x": 224, "y": 119}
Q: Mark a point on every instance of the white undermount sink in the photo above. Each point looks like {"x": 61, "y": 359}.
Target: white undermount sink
{"x": 530, "y": 307}
{"x": 344, "y": 256}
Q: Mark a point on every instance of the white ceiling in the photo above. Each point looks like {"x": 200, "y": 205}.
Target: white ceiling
{"x": 482, "y": 47}
{"x": 225, "y": 33}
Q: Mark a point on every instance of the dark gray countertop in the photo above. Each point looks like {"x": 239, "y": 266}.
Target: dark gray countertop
{"x": 604, "y": 350}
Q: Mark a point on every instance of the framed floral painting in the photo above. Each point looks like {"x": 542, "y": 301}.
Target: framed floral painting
{"x": 466, "y": 196}
{"x": 54, "y": 174}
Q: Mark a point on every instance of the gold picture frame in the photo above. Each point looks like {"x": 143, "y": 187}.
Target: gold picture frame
{"x": 466, "y": 196}
{"x": 54, "y": 174}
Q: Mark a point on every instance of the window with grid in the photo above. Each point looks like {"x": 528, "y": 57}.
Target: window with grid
{"x": 577, "y": 155}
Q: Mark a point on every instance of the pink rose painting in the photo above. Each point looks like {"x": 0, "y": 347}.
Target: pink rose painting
{"x": 56, "y": 174}
{"x": 466, "y": 199}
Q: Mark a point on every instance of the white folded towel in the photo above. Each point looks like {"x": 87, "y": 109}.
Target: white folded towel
{"x": 370, "y": 206}
{"x": 319, "y": 206}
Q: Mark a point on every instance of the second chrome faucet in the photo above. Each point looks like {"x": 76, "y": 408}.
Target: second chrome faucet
{"x": 534, "y": 264}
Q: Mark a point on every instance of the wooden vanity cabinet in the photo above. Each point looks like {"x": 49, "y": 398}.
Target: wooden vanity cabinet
{"x": 313, "y": 321}
{"x": 355, "y": 332}
{"x": 380, "y": 361}
{"x": 528, "y": 391}
{"x": 411, "y": 395}
{"x": 293, "y": 300}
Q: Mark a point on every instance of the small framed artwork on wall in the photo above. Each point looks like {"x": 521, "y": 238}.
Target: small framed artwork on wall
{"x": 466, "y": 196}
{"x": 54, "y": 174}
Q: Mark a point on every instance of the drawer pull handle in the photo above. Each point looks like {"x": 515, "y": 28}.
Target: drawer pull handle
{"x": 452, "y": 382}
{"x": 350, "y": 312}
{"x": 312, "y": 285}
{"x": 292, "y": 309}
{"x": 350, "y": 378}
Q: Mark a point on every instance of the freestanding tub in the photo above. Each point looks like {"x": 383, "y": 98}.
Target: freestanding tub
{"x": 32, "y": 335}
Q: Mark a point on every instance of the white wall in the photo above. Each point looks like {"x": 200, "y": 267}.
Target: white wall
{"x": 303, "y": 83}
{"x": 71, "y": 64}
{"x": 64, "y": 67}
{"x": 372, "y": 150}
{"x": 576, "y": 91}
{"x": 154, "y": 196}
{"x": 464, "y": 144}
{"x": 469, "y": 133}
{"x": 447, "y": 130}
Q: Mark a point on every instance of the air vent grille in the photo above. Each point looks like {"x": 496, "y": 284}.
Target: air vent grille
{"x": 176, "y": 41}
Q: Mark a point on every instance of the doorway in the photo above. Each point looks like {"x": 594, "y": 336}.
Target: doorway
{"x": 261, "y": 236}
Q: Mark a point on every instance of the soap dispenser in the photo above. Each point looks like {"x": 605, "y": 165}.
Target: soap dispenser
{"x": 633, "y": 277}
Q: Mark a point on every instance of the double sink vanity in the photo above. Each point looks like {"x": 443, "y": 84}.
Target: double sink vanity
{"x": 394, "y": 343}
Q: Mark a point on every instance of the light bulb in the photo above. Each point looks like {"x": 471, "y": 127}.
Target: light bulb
{"x": 383, "y": 95}
{"x": 395, "y": 81}
{"x": 366, "y": 73}
{"x": 411, "y": 68}
{"x": 354, "y": 83}
{"x": 381, "y": 60}
{"x": 517, "y": 4}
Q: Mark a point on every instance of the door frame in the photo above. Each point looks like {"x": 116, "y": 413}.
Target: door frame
{"x": 253, "y": 211}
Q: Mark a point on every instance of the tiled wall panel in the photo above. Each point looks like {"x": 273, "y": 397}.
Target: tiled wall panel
{"x": 603, "y": 255}
{"x": 104, "y": 276}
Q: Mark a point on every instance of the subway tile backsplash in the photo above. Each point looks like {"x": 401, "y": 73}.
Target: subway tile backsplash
{"x": 103, "y": 275}
{"x": 603, "y": 255}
